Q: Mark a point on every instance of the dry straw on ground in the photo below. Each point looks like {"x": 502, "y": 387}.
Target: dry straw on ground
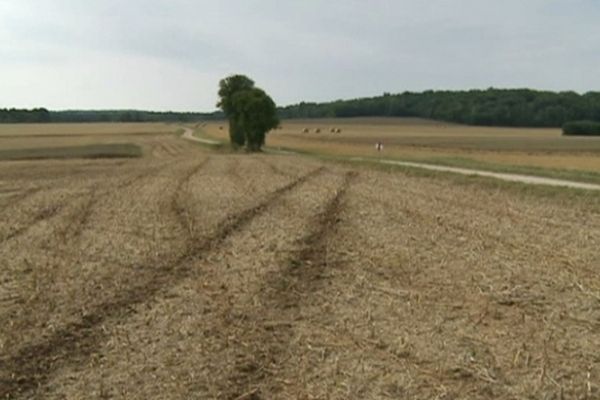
{"x": 188, "y": 274}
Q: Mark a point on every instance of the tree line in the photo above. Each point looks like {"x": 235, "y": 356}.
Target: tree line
{"x": 13, "y": 115}
{"x": 42, "y": 115}
{"x": 582, "y": 128}
{"x": 491, "y": 107}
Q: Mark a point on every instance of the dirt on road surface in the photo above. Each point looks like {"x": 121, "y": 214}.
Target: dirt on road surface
{"x": 188, "y": 134}
{"x": 193, "y": 275}
{"x": 527, "y": 179}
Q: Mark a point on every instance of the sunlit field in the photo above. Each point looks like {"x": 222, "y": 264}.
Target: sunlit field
{"x": 196, "y": 273}
{"x": 430, "y": 141}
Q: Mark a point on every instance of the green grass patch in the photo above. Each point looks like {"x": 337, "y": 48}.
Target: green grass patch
{"x": 463, "y": 162}
{"x": 218, "y": 145}
{"x": 115, "y": 150}
{"x": 589, "y": 198}
{"x": 556, "y": 173}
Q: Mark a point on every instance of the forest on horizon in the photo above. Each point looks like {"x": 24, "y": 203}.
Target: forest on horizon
{"x": 490, "y": 107}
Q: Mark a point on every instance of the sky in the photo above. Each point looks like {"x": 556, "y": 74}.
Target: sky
{"x": 171, "y": 54}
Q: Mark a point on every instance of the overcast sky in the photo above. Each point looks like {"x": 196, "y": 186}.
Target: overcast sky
{"x": 170, "y": 54}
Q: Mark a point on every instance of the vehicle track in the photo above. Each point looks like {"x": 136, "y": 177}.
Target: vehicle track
{"x": 66, "y": 341}
{"x": 80, "y": 218}
{"x": 43, "y": 214}
{"x": 17, "y": 198}
{"x": 280, "y": 302}
{"x": 65, "y": 231}
{"x": 178, "y": 209}
{"x": 34, "y": 364}
{"x": 273, "y": 168}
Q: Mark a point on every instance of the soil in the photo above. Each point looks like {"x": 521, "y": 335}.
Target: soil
{"x": 194, "y": 275}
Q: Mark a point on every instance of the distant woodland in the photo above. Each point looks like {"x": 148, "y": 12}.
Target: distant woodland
{"x": 40, "y": 115}
{"x": 491, "y": 107}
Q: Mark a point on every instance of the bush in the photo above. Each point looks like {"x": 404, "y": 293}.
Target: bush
{"x": 588, "y": 128}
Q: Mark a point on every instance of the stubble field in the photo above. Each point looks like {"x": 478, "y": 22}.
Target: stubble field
{"x": 526, "y": 150}
{"x": 198, "y": 275}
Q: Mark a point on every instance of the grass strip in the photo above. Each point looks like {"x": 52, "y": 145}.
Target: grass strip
{"x": 114, "y": 150}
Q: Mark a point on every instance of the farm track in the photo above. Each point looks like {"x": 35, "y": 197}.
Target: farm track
{"x": 526, "y": 179}
{"x": 82, "y": 208}
{"x": 279, "y": 304}
{"x": 274, "y": 169}
{"x": 33, "y": 364}
{"x": 19, "y": 197}
{"x": 41, "y": 215}
{"x": 78, "y": 220}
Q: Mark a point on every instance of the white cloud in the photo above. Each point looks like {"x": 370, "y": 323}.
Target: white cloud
{"x": 162, "y": 54}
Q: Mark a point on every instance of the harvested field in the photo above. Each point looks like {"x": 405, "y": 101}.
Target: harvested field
{"x": 198, "y": 275}
{"x": 90, "y": 151}
{"x": 448, "y": 144}
{"x": 84, "y": 129}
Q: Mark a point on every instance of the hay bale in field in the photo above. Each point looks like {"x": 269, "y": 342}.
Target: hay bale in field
{"x": 338, "y": 130}
{"x": 305, "y": 130}
{"x": 332, "y": 130}
{"x": 317, "y": 130}
{"x": 220, "y": 128}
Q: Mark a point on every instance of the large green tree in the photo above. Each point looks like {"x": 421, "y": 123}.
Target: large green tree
{"x": 250, "y": 111}
{"x": 257, "y": 115}
{"x": 228, "y": 87}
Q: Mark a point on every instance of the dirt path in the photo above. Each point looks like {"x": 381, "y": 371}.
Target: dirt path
{"x": 188, "y": 134}
{"x": 528, "y": 179}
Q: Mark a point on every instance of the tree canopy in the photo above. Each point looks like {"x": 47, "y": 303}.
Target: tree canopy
{"x": 228, "y": 87}
{"x": 493, "y": 107}
{"x": 250, "y": 111}
{"x": 39, "y": 115}
{"x": 581, "y": 128}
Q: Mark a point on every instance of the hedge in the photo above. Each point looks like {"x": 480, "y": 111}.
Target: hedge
{"x": 587, "y": 128}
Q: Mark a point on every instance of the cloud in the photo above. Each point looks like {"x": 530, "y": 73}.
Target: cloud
{"x": 163, "y": 54}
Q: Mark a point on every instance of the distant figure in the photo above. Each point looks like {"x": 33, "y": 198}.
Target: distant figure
{"x": 379, "y": 146}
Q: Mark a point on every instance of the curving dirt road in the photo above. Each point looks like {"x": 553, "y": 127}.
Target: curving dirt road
{"x": 528, "y": 179}
{"x": 194, "y": 275}
{"x": 188, "y": 134}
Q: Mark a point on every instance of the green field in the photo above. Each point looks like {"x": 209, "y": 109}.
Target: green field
{"x": 115, "y": 150}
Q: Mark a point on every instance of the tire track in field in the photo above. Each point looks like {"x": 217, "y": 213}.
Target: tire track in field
{"x": 44, "y": 213}
{"x": 281, "y": 299}
{"x": 20, "y": 197}
{"x": 80, "y": 218}
{"x": 33, "y": 365}
{"x": 273, "y": 168}
{"x": 66, "y": 231}
{"x": 181, "y": 212}
{"x": 48, "y": 211}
